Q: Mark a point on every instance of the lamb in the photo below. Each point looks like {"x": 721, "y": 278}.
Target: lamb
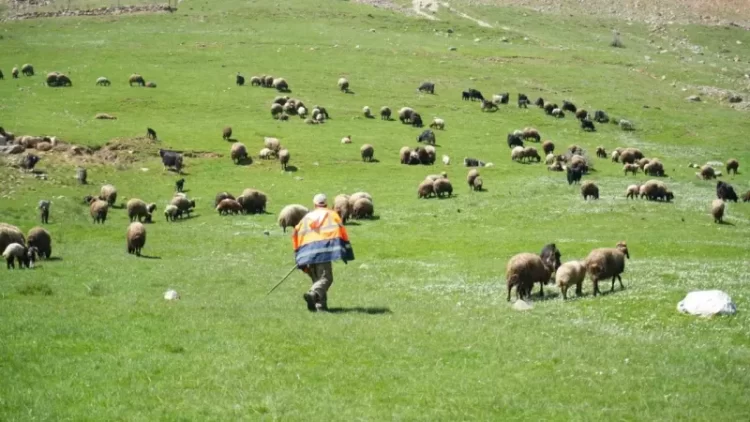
{"x": 136, "y": 238}
{"x": 557, "y": 113}
{"x": 184, "y": 204}
{"x": 104, "y": 116}
{"x": 548, "y": 147}
{"x": 569, "y": 274}
{"x": 108, "y": 193}
{"x": 10, "y": 234}
{"x": 44, "y": 211}
{"x": 266, "y": 154}
{"x": 589, "y": 189}
{"x": 587, "y": 125}
{"x": 227, "y": 206}
{"x": 603, "y": 263}
{"x": 238, "y": 153}
{"x": 437, "y": 123}
{"x": 291, "y": 215}
{"x": 102, "y": 81}
{"x": 14, "y": 72}
{"x": 531, "y": 133}
{"x": 446, "y": 160}
{"x": 343, "y": 85}
{"x": 342, "y": 207}
{"x": 150, "y": 133}
{"x": 385, "y": 113}
{"x": 302, "y": 112}
{"x": 272, "y": 143}
{"x": 41, "y": 240}
{"x": 280, "y": 84}
{"x": 136, "y": 79}
{"x": 442, "y": 187}
{"x": 725, "y": 191}
{"x": 632, "y": 191}
{"x": 582, "y": 114}
{"x": 550, "y": 159}
{"x": 98, "y": 210}
{"x": 346, "y": 139}
{"x": 615, "y": 156}
{"x": 268, "y": 81}
{"x": 427, "y": 136}
{"x": 226, "y": 134}
{"x": 717, "y": 210}
{"x": 222, "y": 196}
{"x": 19, "y": 252}
{"x": 367, "y": 151}
{"x": 239, "y": 79}
{"x": 632, "y": 168}
{"x": 427, "y": 87}
{"x": 523, "y": 101}
{"x": 253, "y": 201}
{"x": 525, "y": 269}
{"x": 626, "y": 125}
{"x": 171, "y": 212}
{"x": 732, "y": 166}
{"x": 140, "y": 210}
{"x": 707, "y": 172}
{"x": 362, "y": 208}
{"x": 284, "y": 158}
{"x": 367, "y": 112}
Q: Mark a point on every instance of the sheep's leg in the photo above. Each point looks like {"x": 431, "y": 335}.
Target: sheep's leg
{"x": 613, "y": 284}
{"x": 579, "y": 290}
{"x": 509, "y": 289}
{"x": 564, "y": 291}
{"x": 620, "y": 279}
{"x": 541, "y": 289}
{"x": 596, "y": 287}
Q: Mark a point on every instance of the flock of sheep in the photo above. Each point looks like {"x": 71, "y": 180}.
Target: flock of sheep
{"x": 523, "y": 270}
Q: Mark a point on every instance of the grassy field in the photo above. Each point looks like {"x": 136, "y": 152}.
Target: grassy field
{"x": 420, "y": 329}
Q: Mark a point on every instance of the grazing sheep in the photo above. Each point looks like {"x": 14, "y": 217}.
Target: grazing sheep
{"x": 222, "y": 196}
{"x": 582, "y": 114}
{"x": 14, "y": 73}
{"x": 574, "y": 175}
{"x": 416, "y": 120}
{"x": 514, "y": 140}
{"x": 41, "y": 240}
{"x": 171, "y": 212}
{"x": 746, "y": 196}
{"x": 302, "y": 112}
{"x": 633, "y": 191}
{"x": 433, "y": 177}
{"x": 239, "y": 79}
{"x": 523, "y": 101}
{"x": 102, "y": 81}
{"x": 136, "y": 238}
{"x": 423, "y": 156}
{"x": 471, "y": 176}
{"x": 226, "y": 134}
{"x": 228, "y": 206}
{"x": 653, "y": 168}
{"x": 632, "y": 168}
{"x": 525, "y": 269}
{"x": 516, "y": 154}
{"x": 600, "y": 152}
{"x": 108, "y": 193}
{"x": 530, "y": 153}
{"x": 557, "y": 166}
{"x": 138, "y": 209}
{"x": 280, "y": 84}
{"x": 550, "y": 159}
{"x": 732, "y": 166}
{"x": 601, "y": 117}
{"x": 268, "y": 81}
{"x": 603, "y": 263}
{"x": 531, "y": 133}
{"x": 342, "y": 206}
{"x": 589, "y": 189}
{"x": 266, "y": 154}
{"x": 253, "y": 201}
{"x": 385, "y": 113}
{"x": 51, "y": 79}
{"x": 655, "y": 190}
{"x": 473, "y": 162}
{"x": 442, "y": 187}
{"x": 136, "y": 79}
{"x": 254, "y": 81}
{"x": 626, "y": 125}
{"x": 343, "y": 85}
{"x": 104, "y": 116}
{"x": 27, "y": 70}
{"x": 548, "y": 107}
{"x": 184, "y": 204}
{"x": 238, "y": 153}
{"x": 568, "y": 106}
{"x": 539, "y": 102}
{"x": 367, "y": 112}
{"x": 587, "y": 125}
{"x": 557, "y": 113}
{"x": 284, "y": 158}
{"x": 150, "y": 133}
{"x": 367, "y": 151}
{"x": 29, "y": 161}
{"x": 428, "y": 136}
{"x": 717, "y": 210}
{"x": 98, "y": 210}
{"x": 548, "y": 147}
{"x": 707, "y": 172}
{"x": 465, "y": 95}
{"x": 478, "y": 184}
{"x": 291, "y": 215}
{"x": 426, "y": 189}
{"x": 405, "y": 114}
{"x": 18, "y": 252}
{"x": 362, "y": 208}
{"x": 630, "y": 155}
{"x": 272, "y": 143}
{"x": 276, "y": 110}
{"x": 405, "y": 154}
{"x": 569, "y": 274}
{"x": 725, "y": 191}
{"x": 615, "y": 156}
{"x": 150, "y": 84}
{"x": 488, "y": 106}
{"x": 437, "y": 123}
{"x": 346, "y": 139}
{"x": 427, "y": 87}
{"x": 10, "y": 234}
{"x": 475, "y": 95}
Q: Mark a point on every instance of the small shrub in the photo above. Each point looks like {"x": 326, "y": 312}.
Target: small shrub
{"x": 35, "y": 288}
{"x": 171, "y": 348}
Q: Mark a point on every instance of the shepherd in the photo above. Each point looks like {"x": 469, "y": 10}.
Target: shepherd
{"x": 319, "y": 239}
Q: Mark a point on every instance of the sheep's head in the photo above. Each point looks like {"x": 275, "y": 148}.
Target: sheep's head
{"x": 88, "y": 199}
{"x": 31, "y": 254}
{"x": 623, "y": 247}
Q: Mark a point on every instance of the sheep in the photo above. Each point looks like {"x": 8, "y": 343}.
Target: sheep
{"x": 601, "y": 117}
{"x": 471, "y": 176}
{"x": 514, "y": 141}
{"x": 632, "y": 168}
{"x": 108, "y": 193}
{"x": 43, "y": 208}
{"x": 291, "y": 215}
{"x": 523, "y": 101}
{"x": 51, "y": 79}
{"x": 589, "y": 189}
{"x": 10, "y": 234}
{"x": 81, "y": 175}
{"x": 1, "y": 75}
{"x": 140, "y": 210}
{"x": 404, "y": 154}
{"x": 632, "y": 191}
{"x": 587, "y": 125}
{"x": 280, "y": 84}
{"x": 150, "y": 84}
{"x": 426, "y": 189}
{"x": 427, "y": 136}
{"x": 346, "y": 139}
{"x": 582, "y": 114}
{"x": 433, "y": 177}
{"x": 171, "y": 212}
{"x": 442, "y": 187}
{"x": 184, "y": 204}
{"x": 136, "y": 238}
{"x": 41, "y": 240}
{"x": 556, "y": 112}
{"x": 615, "y": 156}
{"x": 557, "y": 166}
{"x": 568, "y": 106}
{"x": 577, "y": 161}
{"x": 239, "y": 79}
{"x": 238, "y": 152}
{"x": 367, "y": 151}
{"x": 342, "y": 207}
{"x": 446, "y": 160}
{"x": 150, "y": 133}
{"x": 603, "y": 263}
{"x": 475, "y": 95}
{"x": 465, "y": 95}
{"x": 655, "y": 190}
{"x": 531, "y": 133}
{"x": 343, "y": 85}
{"x": 276, "y": 110}
{"x": 725, "y": 191}
{"x": 102, "y": 81}
{"x": 362, "y": 208}
{"x": 530, "y": 153}
{"x": 732, "y": 166}
{"x": 423, "y": 157}
{"x": 539, "y": 102}
{"x": 272, "y": 143}
{"x": 322, "y": 113}
{"x": 653, "y": 168}
{"x": 630, "y": 155}
{"x": 473, "y": 162}
{"x": 569, "y": 274}
{"x": 266, "y": 154}
{"x": 548, "y": 147}
{"x": 222, "y": 196}
{"x": 302, "y": 112}
{"x": 104, "y": 116}
{"x": 253, "y": 201}
{"x": 14, "y": 72}
{"x": 385, "y": 113}
{"x": 416, "y": 120}
{"x": 437, "y": 123}
{"x": 746, "y": 196}
{"x": 525, "y": 269}
{"x": 27, "y": 70}
{"x": 284, "y": 158}
{"x": 136, "y": 79}
{"x": 488, "y": 106}
{"x": 717, "y": 210}
{"x": 29, "y": 161}
{"x": 226, "y": 134}
{"x": 707, "y": 172}
{"x": 98, "y": 210}
{"x": 254, "y": 81}
{"x": 268, "y": 81}
{"x": 550, "y": 159}
{"x": 427, "y": 87}
{"x": 478, "y": 184}
{"x": 353, "y": 198}
{"x": 574, "y": 175}
{"x": 405, "y": 114}
{"x": 229, "y": 206}
{"x": 626, "y": 125}
{"x": 367, "y": 112}
{"x": 19, "y": 252}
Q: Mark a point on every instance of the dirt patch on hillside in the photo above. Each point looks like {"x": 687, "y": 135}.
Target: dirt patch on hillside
{"x": 25, "y": 10}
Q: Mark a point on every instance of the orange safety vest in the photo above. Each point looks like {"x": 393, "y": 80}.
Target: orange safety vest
{"x": 321, "y": 237}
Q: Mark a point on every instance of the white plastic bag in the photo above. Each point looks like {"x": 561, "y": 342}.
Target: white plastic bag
{"x": 707, "y": 303}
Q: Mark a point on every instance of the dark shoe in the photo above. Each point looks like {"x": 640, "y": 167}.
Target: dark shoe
{"x": 310, "y": 298}
{"x": 321, "y": 307}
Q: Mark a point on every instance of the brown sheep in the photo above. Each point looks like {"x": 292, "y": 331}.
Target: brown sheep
{"x": 405, "y": 155}
{"x": 284, "y": 158}
{"x": 643, "y": 162}
{"x": 184, "y": 204}
{"x": 632, "y": 168}
{"x": 569, "y": 274}
{"x": 108, "y": 193}
{"x": 342, "y": 206}
{"x": 656, "y": 190}
{"x": 589, "y": 189}
{"x": 478, "y": 183}
{"x": 531, "y": 133}
{"x": 633, "y": 191}
{"x": 426, "y": 189}
{"x": 363, "y": 208}
{"x": 548, "y": 147}
{"x": 253, "y": 201}
{"x": 98, "y": 210}
{"x": 717, "y": 210}
{"x": 654, "y": 168}
{"x": 238, "y": 153}
{"x": 229, "y": 206}
{"x": 10, "y": 234}
{"x": 473, "y": 174}
{"x": 136, "y": 238}
{"x": 707, "y": 172}
{"x": 600, "y": 152}
{"x": 226, "y": 134}
{"x": 367, "y": 152}
{"x": 746, "y": 197}
{"x": 732, "y": 166}
{"x": 291, "y": 215}
{"x": 222, "y": 196}
{"x": 525, "y": 269}
{"x": 42, "y": 240}
{"x": 136, "y": 79}
{"x": 272, "y": 143}
{"x": 530, "y": 153}
{"x": 140, "y": 210}
{"x": 357, "y": 196}
{"x": 442, "y": 187}
{"x": 603, "y": 263}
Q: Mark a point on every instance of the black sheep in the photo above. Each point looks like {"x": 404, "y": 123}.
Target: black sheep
{"x": 601, "y": 117}
{"x": 568, "y": 106}
{"x": 574, "y": 175}
{"x": 427, "y": 136}
{"x": 514, "y": 141}
{"x": 725, "y": 191}
{"x": 471, "y": 162}
{"x": 476, "y": 95}
{"x": 427, "y": 87}
{"x": 465, "y": 95}
{"x": 171, "y": 159}
{"x": 539, "y": 102}
{"x": 179, "y": 185}
{"x": 29, "y": 161}
{"x": 1, "y": 75}
{"x": 416, "y": 120}
{"x": 504, "y": 98}
{"x": 551, "y": 255}
{"x": 587, "y": 125}
{"x": 150, "y": 133}
{"x": 240, "y": 80}
{"x": 549, "y": 107}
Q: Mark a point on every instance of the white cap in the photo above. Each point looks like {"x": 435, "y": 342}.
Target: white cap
{"x": 320, "y": 199}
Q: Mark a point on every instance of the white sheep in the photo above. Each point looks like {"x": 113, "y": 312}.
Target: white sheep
{"x": 437, "y": 123}
{"x": 569, "y": 274}
{"x": 367, "y": 112}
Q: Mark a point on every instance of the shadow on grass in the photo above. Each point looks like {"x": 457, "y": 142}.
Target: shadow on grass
{"x": 374, "y": 160}
{"x": 351, "y": 223}
{"x": 349, "y": 92}
{"x": 360, "y": 310}
{"x": 245, "y": 161}
{"x": 291, "y": 169}
{"x": 149, "y": 257}
{"x": 373, "y": 218}
{"x": 54, "y": 258}
{"x": 726, "y": 223}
